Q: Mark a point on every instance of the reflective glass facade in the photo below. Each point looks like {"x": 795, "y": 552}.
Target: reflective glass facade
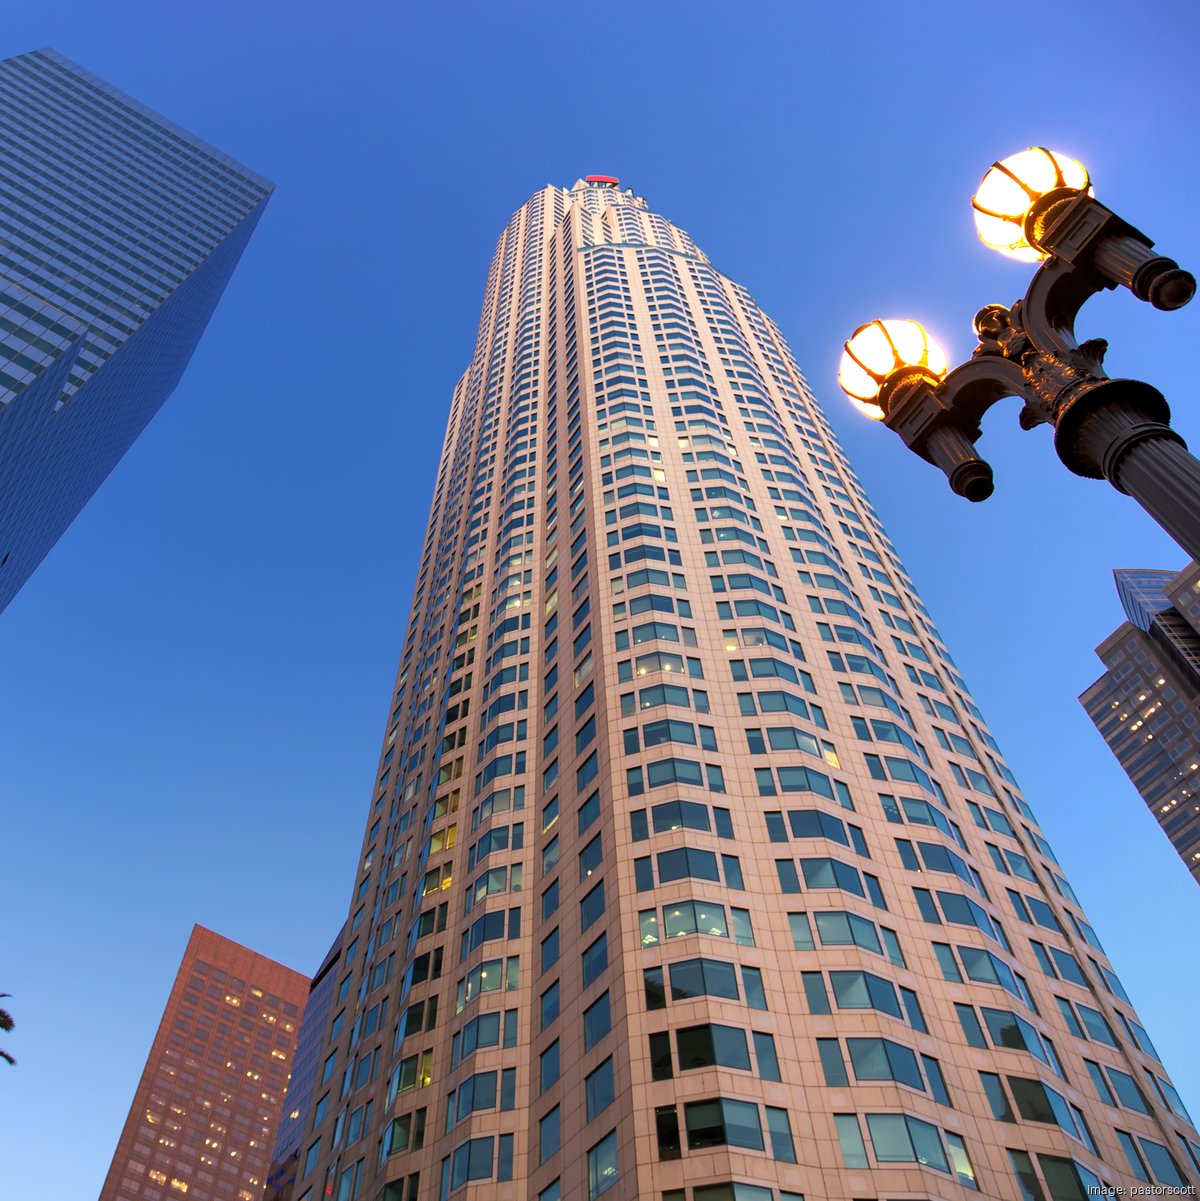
{"x": 118, "y": 234}
{"x": 309, "y": 1044}
{"x": 1147, "y": 704}
{"x": 691, "y": 871}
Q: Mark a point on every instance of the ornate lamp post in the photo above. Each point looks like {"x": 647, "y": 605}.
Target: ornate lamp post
{"x": 1038, "y": 206}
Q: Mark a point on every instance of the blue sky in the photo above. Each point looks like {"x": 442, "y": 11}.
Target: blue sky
{"x": 195, "y": 681}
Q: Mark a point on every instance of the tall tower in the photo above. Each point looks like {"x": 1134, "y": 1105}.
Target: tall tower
{"x": 1147, "y": 704}
{"x": 118, "y": 234}
{"x": 208, "y": 1104}
{"x": 692, "y": 872}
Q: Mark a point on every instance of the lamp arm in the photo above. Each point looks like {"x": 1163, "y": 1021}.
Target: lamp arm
{"x": 1056, "y": 293}
{"x": 971, "y": 389}
{"x": 942, "y": 424}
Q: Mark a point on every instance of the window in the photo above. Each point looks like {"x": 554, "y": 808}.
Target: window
{"x": 736, "y": 1191}
{"x": 310, "y": 1159}
{"x": 404, "y": 1133}
{"x": 589, "y": 811}
{"x": 1136, "y": 1164}
{"x": 1127, "y": 1091}
{"x": 854, "y": 1151}
{"x": 476, "y": 1093}
{"x": 1022, "y": 1166}
{"x": 722, "y": 1122}
{"x": 549, "y": 1135}
{"x": 656, "y": 994}
{"x": 1007, "y": 1030}
{"x": 831, "y": 873}
{"x": 549, "y": 1063}
{"x": 666, "y": 1123}
{"x": 712, "y": 1046}
{"x": 600, "y": 1089}
{"x": 550, "y": 854}
{"x": 602, "y": 1166}
{"x": 590, "y": 857}
{"x": 1067, "y": 1179}
{"x": 960, "y": 1161}
{"x": 863, "y": 990}
{"x": 882, "y": 1059}
{"x": 764, "y": 1053}
{"x": 550, "y": 946}
{"x": 780, "y": 1131}
{"x": 694, "y": 917}
{"x": 471, "y": 1161}
{"x": 897, "y": 1138}
{"x": 1161, "y": 1163}
{"x": 687, "y": 863}
{"x": 591, "y": 907}
{"x": 996, "y": 1096}
{"x": 1036, "y": 1102}
{"x": 702, "y": 977}
{"x": 595, "y": 960}
{"x": 550, "y": 1004}
{"x": 597, "y": 1021}
{"x": 676, "y": 815}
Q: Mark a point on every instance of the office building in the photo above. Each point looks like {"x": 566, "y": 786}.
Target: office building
{"x": 1147, "y": 704}
{"x": 313, "y": 1029}
{"x": 207, "y": 1107}
{"x": 118, "y": 234}
{"x": 691, "y": 871}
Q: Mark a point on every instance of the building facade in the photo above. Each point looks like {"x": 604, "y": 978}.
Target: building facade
{"x": 311, "y": 1041}
{"x": 691, "y": 871}
{"x": 118, "y": 234}
{"x": 1147, "y": 704}
{"x": 207, "y": 1107}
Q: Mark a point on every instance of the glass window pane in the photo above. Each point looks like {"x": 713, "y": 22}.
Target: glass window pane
{"x": 889, "y": 1137}
{"x": 742, "y": 1125}
{"x": 602, "y": 1166}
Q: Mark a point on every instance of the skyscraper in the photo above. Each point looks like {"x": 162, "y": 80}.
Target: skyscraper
{"x": 207, "y": 1107}
{"x": 118, "y": 234}
{"x": 1147, "y": 704}
{"x": 314, "y": 1025}
{"x": 691, "y": 871}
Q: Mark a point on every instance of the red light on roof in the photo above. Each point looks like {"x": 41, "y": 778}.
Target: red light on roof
{"x": 611, "y": 180}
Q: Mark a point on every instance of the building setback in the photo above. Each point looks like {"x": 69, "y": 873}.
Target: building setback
{"x": 206, "y": 1110}
{"x": 1147, "y": 704}
{"x": 118, "y": 234}
{"x": 691, "y": 871}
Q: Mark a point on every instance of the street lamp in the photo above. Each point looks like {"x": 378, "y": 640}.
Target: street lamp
{"x": 1038, "y": 206}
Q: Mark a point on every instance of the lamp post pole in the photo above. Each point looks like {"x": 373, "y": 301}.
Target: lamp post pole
{"x": 1114, "y": 429}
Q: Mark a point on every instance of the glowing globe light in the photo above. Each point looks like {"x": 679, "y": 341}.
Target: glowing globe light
{"x": 880, "y": 349}
{"x": 1012, "y": 187}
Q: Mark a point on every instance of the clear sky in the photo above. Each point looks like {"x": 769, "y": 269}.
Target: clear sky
{"x": 193, "y": 686}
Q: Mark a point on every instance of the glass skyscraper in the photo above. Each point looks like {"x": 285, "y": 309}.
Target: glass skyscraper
{"x": 118, "y": 234}
{"x": 691, "y": 871}
{"x": 1147, "y": 704}
{"x": 309, "y": 1044}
